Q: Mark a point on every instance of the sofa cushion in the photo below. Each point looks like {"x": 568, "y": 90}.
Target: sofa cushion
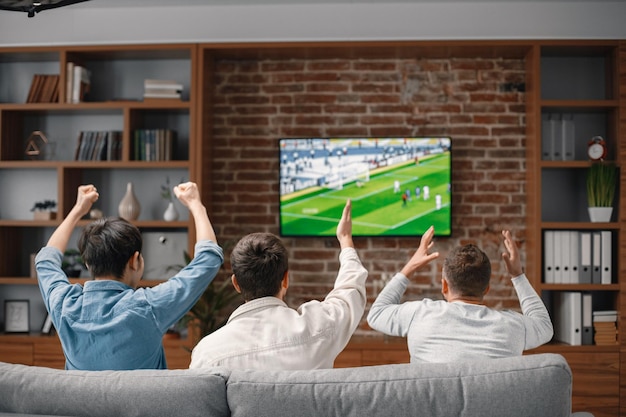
{"x": 530, "y": 386}
{"x": 38, "y": 390}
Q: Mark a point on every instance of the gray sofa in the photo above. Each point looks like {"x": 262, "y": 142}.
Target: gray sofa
{"x": 533, "y": 386}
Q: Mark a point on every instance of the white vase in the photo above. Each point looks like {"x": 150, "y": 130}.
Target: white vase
{"x": 600, "y": 214}
{"x": 170, "y": 213}
{"x": 129, "y": 207}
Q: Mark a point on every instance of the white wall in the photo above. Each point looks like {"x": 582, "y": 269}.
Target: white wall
{"x": 95, "y": 22}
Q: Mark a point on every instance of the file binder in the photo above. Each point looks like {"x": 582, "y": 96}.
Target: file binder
{"x": 596, "y": 267}
{"x": 587, "y": 320}
{"x": 548, "y": 257}
{"x": 606, "y": 257}
{"x": 558, "y": 259}
{"x": 564, "y": 250}
{"x": 584, "y": 269}
{"x": 567, "y": 309}
{"x": 574, "y": 256}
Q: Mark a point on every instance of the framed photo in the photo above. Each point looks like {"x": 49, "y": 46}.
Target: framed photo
{"x": 16, "y": 316}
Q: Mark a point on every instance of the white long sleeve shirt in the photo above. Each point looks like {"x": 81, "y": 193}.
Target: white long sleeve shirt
{"x": 267, "y": 334}
{"x": 439, "y": 331}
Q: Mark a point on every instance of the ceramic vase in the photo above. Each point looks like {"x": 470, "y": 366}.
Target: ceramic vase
{"x": 600, "y": 214}
{"x": 170, "y": 213}
{"x": 129, "y": 207}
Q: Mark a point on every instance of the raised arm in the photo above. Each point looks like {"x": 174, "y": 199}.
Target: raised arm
{"x": 539, "y": 329}
{"x": 189, "y": 196}
{"x": 511, "y": 257}
{"x": 87, "y": 195}
{"x": 421, "y": 257}
{"x": 344, "y": 228}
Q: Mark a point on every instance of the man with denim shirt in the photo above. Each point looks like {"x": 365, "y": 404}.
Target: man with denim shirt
{"x": 110, "y": 324}
{"x": 264, "y": 333}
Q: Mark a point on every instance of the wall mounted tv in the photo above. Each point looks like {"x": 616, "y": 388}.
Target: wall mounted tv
{"x": 398, "y": 186}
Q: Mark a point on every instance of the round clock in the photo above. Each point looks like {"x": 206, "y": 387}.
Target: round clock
{"x": 596, "y": 148}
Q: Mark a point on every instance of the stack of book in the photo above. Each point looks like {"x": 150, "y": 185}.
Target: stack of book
{"x": 44, "y": 89}
{"x": 605, "y": 327}
{"x": 78, "y": 83}
{"x": 162, "y": 89}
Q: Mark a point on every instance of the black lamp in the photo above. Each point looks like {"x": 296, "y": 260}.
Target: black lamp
{"x": 31, "y": 7}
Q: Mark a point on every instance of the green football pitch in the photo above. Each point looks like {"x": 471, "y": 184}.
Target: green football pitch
{"x": 377, "y": 209}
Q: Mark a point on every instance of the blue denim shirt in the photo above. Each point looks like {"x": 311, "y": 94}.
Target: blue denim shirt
{"x": 108, "y": 325}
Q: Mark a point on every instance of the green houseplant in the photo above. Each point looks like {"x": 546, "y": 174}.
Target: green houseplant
{"x": 601, "y": 184}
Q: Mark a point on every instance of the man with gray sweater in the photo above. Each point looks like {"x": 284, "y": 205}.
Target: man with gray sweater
{"x": 462, "y": 327}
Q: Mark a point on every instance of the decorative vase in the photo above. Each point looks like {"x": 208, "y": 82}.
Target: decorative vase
{"x": 600, "y": 214}
{"x": 129, "y": 207}
{"x": 170, "y": 213}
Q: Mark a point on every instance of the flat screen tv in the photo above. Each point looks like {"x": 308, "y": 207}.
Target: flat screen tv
{"x": 398, "y": 186}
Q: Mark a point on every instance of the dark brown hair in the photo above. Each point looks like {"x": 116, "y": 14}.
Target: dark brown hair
{"x": 259, "y": 262}
{"x": 467, "y": 270}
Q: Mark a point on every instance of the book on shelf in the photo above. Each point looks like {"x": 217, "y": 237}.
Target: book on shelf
{"x": 154, "y": 145}
{"x": 44, "y": 88}
{"x": 78, "y": 83}
{"x": 98, "y": 146}
{"x": 605, "y": 327}
{"x": 577, "y": 257}
{"x": 162, "y": 89}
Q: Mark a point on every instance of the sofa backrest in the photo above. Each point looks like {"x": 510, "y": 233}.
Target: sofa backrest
{"x": 529, "y": 386}
{"x": 166, "y": 393}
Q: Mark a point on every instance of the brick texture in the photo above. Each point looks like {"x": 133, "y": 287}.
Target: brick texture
{"x": 257, "y": 102}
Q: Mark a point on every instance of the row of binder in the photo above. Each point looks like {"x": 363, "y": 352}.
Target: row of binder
{"x": 558, "y": 137}
{"x": 575, "y": 322}
{"x": 577, "y": 257}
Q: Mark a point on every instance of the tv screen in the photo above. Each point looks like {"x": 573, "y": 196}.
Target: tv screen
{"x": 398, "y": 186}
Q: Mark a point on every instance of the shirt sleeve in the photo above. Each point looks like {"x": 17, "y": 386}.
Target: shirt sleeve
{"x": 176, "y": 296}
{"x": 344, "y": 305}
{"x": 53, "y": 283}
{"x": 537, "y": 321}
{"x": 387, "y": 314}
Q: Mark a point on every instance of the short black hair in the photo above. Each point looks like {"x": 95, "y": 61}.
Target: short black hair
{"x": 467, "y": 270}
{"x": 259, "y": 262}
{"x": 107, "y": 244}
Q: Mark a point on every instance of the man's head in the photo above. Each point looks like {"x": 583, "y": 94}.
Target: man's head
{"x": 106, "y": 246}
{"x": 259, "y": 263}
{"x": 467, "y": 271}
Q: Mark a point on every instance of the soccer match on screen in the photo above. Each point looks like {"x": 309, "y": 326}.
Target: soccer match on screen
{"x": 398, "y": 186}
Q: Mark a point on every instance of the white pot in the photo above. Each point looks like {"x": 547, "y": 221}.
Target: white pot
{"x": 600, "y": 214}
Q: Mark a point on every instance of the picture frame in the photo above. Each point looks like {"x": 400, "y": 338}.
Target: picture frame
{"x": 16, "y": 316}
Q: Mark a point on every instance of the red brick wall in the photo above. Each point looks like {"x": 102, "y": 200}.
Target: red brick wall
{"x": 257, "y": 102}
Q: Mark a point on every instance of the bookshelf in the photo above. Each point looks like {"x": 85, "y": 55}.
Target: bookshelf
{"x": 575, "y": 86}
{"x": 111, "y": 109}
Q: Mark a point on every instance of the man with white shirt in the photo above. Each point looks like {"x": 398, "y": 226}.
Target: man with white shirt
{"x": 462, "y": 327}
{"x": 265, "y": 333}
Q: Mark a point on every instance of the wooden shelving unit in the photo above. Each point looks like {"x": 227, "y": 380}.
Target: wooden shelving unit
{"x": 114, "y": 103}
{"x": 578, "y": 79}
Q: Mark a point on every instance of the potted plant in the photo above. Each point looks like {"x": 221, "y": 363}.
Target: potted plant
{"x": 170, "y": 213}
{"x": 72, "y": 263}
{"x": 601, "y": 184}
{"x": 44, "y": 210}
